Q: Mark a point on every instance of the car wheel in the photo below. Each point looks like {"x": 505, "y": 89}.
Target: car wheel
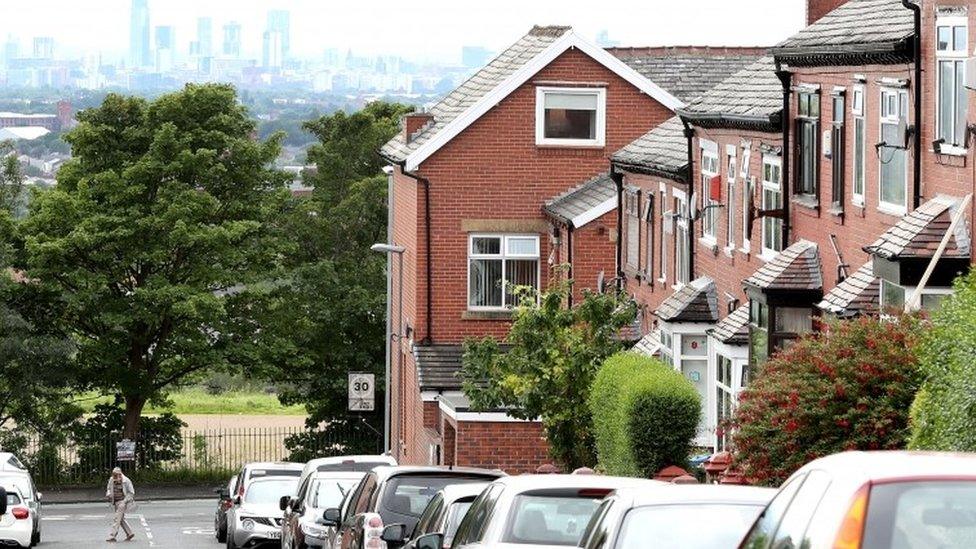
{"x": 35, "y": 539}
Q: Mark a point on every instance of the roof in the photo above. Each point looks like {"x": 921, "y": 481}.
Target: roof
{"x": 503, "y": 75}
{"x": 857, "y": 295}
{"x": 918, "y": 234}
{"x": 795, "y": 268}
{"x": 23, "y": 132}
{"x": 687, "y": 71}
{"x": 662, "y": 151}
{"x": 699, "y": 493}
{"x": 878, "y": 30}
{"x": 454, "y": 492}
{"x": 897, "y": 464}
{"x": 584, "y": 203}
{"x": 751, "y": 98}
{"x": 696, "y": 301}
{"x": 384, "y": 472}
{"x": 524, "y": 483}
{"x": 438, "y": 366}
{"x": 734, "y": 328}
{"x": 649, "y": 345}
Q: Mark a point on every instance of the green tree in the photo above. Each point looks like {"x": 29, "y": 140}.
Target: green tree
{"x": 166, "y": 211}
{"x": 12, "y": 198}
{"x": 547, "y": 372}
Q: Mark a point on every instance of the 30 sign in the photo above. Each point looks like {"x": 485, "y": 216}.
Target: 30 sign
{"x": 362, "y": 392}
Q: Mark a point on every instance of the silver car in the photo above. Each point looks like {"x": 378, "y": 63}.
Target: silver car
{"x": 255, "y": 519}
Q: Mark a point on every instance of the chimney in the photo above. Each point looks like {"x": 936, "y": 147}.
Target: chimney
{"x": 413, "y": 122}
{"x": 818, "y": 8}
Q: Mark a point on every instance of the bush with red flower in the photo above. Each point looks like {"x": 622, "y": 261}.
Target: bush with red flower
{"x": 847, "y": 388}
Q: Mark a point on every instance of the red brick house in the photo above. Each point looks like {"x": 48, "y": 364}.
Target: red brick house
{"x": 820, "y": 180}
{"x": 496, "y": 184}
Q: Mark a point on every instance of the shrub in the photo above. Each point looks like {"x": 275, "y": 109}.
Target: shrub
{"x": 645, "y": 415}
{"x": 944, "y": 412}
{"x": 848, "y": 388}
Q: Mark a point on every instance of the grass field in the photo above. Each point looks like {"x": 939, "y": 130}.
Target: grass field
{"x": 195, "y": 401}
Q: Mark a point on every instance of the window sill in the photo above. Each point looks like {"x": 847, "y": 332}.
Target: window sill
{"x": 709, "y": 243}
{"x": 836, "y": 211}
{"x": 768, "y": 255}
{"x": 807, "y": 201}
{"x": 729, "y": 250}
{"x": 951, "y": 150}
{"x": 892, "y": 209}
{"x": 487, "y": 315}
{"x": 745, "y": 250}
{"x": 589, "y": 145}
{"x": 858, "y": 202}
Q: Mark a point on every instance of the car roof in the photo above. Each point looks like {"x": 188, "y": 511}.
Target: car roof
{"x": 385, "y": 472}
{"x": 273, "y": 478}
{"x": 286, "y": 465}
{"x": 882, "y": 465}
{"x": 353, "y": 475}
{"x": 9, "y": 462}
{"x": 695, "y": 493}
{"x": 388, "y": 460}
{"x": 454, "y": 492}
{"x": 528, "y": 483}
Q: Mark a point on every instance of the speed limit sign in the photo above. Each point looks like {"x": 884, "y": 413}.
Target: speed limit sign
{"x": 362, "y": 392}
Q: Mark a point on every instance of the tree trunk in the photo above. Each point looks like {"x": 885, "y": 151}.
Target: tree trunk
{"x": 133, "y": 412}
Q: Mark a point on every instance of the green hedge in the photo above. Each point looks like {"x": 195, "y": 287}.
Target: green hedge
{"x": 943, "y": 416}
{"x": 645, "y": 415}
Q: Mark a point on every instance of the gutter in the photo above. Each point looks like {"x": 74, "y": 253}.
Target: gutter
{"x": 427, "y": 340}
{"x": 569, "y": 259}
{"x": 769, "y": 122}
{"x": 786, "y": 79}
{"x": 917, "y": 146}
{"x": 679, "y": 175}
{"x": 618, "y": 179}
{"x": 690, "y": 136}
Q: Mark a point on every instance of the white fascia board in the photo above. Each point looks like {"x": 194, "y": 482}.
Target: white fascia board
{"x": 686, "y": 328}
{"x": 734, "y": 352}
{"x": 594, "y": 213}
{"x": 521, "y": 76}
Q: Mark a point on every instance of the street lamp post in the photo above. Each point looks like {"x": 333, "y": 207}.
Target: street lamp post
{"x": 389, "y": 249}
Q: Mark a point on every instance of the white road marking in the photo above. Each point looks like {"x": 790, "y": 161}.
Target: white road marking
{"x": 149, "y": 535}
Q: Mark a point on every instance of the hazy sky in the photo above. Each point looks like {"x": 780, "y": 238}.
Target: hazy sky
{"x": 420, "y": 28}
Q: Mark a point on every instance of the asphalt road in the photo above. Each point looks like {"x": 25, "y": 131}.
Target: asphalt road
{"x": 163, "y": 524}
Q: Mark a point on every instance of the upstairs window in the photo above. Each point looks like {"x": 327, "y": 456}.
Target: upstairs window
{"x": 772, "y": 200}
{"x": 632, "y": 211}
{"x": 838, "y": 147}
{"x": 571, "y": 116}
{"x": 730, "y": 211}
{"x": 497, "y": 264}
{"x": 860, "y": 139}
{"x": 709, "y": 170}
{"x": 952, "y": 35}
{"x": 807, "y": 133}
{"x": 893, "y": 152}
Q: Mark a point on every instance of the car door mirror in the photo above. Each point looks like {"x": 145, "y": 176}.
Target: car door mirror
{"x": 40, "y": 496}
{"x": 331, "y": 517}
{"x": 430, "y": 541}
{"x": 395, "y": 534}
{"x": 284, "y": 502}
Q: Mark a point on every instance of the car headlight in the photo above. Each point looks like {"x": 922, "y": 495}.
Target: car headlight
{"x": 313, "y": 530}
{"x": 247, "y": 524}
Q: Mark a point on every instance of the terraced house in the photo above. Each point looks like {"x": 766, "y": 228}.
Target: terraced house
{"x": 498, "y": 184}
{"x": 832, "y": 177}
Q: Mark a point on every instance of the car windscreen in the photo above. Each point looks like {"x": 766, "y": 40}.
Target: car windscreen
{"x": 325, "y": 493}
{"x": 548, "y": 520}
{"x": 268, "y": 492}
{"x": 455, "y": 513}
{"x": 682, "y": 525}
{"x": 922, "y": 514}
{"x": 410, "y": 494}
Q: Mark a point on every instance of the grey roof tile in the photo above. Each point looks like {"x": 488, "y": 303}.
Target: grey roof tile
{"x": 734, "y": 328}
{"x": 795, "y": 268}
{"x": 752, "y": 94}
{"x": 582, "y": 198}
{"x": 856, "y": 26}
{"x": 687, "y": 71}
{"x": 473, "y": 89}
{"x": 438, "y": 366}
{"x": 663, "y": 150}
{"x": 856, "y": 295}
{"x": 696, "y": 301}
{"x": 919, "y": 233}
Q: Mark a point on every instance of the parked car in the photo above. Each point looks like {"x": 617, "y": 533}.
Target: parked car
{"x": 344, "y": 463}
{"x": 32, "y": 498}
{"x": 260, "y": 469}
{"x": 866, "y": 500}
{"x": 10, "y": 462}
{"x": 394, "y": 495}
{"x": 16, "y": 529}
{"x": 541, "y": 511}
{"x": 445, "y": 511}
{"x": 674, "y": 516}
{"x": 303, "y": 525}
{"x": 255, "y": 519}
{"x": 225, "y": 500}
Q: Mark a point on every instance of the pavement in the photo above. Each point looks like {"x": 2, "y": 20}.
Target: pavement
{"x": 186, "y": 524}
{"x": 96, "y": 494}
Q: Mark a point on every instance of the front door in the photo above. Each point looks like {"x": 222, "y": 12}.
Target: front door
{"x": 694, "y": 366}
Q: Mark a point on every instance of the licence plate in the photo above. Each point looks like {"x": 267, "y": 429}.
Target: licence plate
{"x": 274, "y": 535}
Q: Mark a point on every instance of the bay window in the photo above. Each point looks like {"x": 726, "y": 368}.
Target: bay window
{"x": 772, "y": 199}
{"x": 952, "y": 36}
{"x": 807, "y": 136}
{"x": 893, "y": 151}
{"x": 571, "y": 116}
{"x": 724, "y": 400}
{"x": 497, "y": 264}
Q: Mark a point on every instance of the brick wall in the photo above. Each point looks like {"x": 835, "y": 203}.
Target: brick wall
{"x": 818, "y": 8}
{"x": 514, "y": 447}
{"x": 594, "y": 251}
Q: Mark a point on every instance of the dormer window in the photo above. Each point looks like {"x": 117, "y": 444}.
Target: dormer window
{"x": 571, "y": 116}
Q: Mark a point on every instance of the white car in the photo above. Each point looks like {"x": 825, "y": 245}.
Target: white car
{"x": 12, "y": 471}
{"x": 256, "y": 518}
{"x": 16, "y": 528}
{"x": 303, "y": 526}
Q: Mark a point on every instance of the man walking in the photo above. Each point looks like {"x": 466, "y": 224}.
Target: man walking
{"x": 121, "y": 493}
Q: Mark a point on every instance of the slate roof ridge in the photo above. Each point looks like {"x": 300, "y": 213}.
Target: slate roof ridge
{"x": 687, "y": 71}
{"x": 795, "y": 268}
{"x": 696, "y": 301}
{"x": 631, "y": 51}
{"x": 662, "y": 151}
{"x": 585, "y": 197}
{"x": 734, "y": 328}
{"x": 751, "y": 96}
{"x": 918, "y": 233}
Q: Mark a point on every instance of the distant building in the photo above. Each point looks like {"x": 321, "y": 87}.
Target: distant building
{"x": 474, "y": 57}
{"x": 11, "y": 50}
{"x": 205, "y": 36}
{"x": 279, "y": 21}
{"x": 232, "y": 40}
{"x": 274, "y": 50}
{"x": 43, "y": 47}
{"x": 165, "y": 48}
{"x": 139, "y": 53}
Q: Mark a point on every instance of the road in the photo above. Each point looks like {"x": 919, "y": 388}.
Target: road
{"x": 163, "y": 524}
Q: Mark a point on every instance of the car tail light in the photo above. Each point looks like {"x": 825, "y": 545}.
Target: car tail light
{"x": 373, "y": 531}
{"x": 852, "y": 527}
{"x": 20, "y": 513}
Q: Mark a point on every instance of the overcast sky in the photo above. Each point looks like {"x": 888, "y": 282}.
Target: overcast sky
{"x": 420, "y": 29}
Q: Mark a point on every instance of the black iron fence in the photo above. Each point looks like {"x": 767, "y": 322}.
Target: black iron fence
{"x": 194, "y": 455}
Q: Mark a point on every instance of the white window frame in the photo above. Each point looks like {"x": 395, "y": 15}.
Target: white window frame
{"x": 727, "y": 389}
{"x": 504, "y": 256}
{"x": 732, "y": 163}
{"x": 681, "y": 253}
{"x": 909, "y": 292}
{"x": 769, "y": 253}
{"x": 540, "y": 117}
{"x": 748, "y": 192}
{"x": 709, "y": 216}
{"x": 953, "y": 56}
{"x": 858, "y": 108}
{"x": 649, "y": 239}
{"x": 632, "y": 223}
{"x": 885, "y": 117}
{"x": 665, "y": 213}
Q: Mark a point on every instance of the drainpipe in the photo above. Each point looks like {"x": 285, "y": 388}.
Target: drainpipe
{"x": 389, "y": 309}
{"x": 618, "y": 179}
{"x": 430, "y": 286}
{"x": 690, "y": 136}
{"x": 786, "y": 79}
{"x": 569, "y": 258}
{"x": 917, "y": 84}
